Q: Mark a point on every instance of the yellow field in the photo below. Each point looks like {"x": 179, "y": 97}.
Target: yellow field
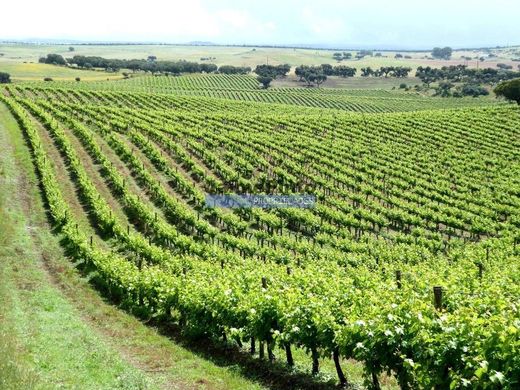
{"x": 20, "y": 71}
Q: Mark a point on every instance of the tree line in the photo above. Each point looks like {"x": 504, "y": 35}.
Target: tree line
{"x": 386, "y": 71}
{"x": 461, "y": 73}
{"x": 148, "y": 65}
{"x": 317, "y": 75}
{"x": 471, "y": 81}
{"x": 437, "y": 52}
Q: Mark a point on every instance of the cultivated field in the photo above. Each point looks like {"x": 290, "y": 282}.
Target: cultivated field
{"x": 401, "y": 274}
{"x": 245, "y": 88}
{"x": 14, "y": 56}
{"x": 116, "y": 273}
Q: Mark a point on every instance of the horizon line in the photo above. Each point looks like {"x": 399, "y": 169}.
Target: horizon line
{"x": 323, "y": 46}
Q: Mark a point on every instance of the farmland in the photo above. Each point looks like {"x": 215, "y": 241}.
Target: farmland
{"x": 404, "y": 274}
{"x": 21, "y": 60}
{"x": 245, "y": 88}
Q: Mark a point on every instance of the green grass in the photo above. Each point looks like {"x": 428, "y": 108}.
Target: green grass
{"x": 49, "y": 335}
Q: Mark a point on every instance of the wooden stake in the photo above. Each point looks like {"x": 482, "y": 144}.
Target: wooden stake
{"x": 398, "y": 278}
{"x": 288, "y": 354}
{"x": 341, "y": 376}
{"x": 437, "y": 294}
{"x": 261, "y": 352}
{"x": 253, "y": 346}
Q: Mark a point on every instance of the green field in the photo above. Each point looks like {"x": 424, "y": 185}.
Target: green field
{"x": 245, "y": 88}
{"x": 14, "y": 56}
{"x": 116, "y": 273}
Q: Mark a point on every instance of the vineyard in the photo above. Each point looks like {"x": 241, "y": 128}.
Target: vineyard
{"x": 245, "y": 88}
{"x": 408, "y": 263}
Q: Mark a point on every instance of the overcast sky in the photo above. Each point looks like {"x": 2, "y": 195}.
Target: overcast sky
{"x": 383, "y": 23}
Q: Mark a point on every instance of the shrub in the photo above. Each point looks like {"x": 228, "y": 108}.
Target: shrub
{"x": 474, "y": 90}
{"x": 5, "y": 78}
{"x": 510, "y": 90}
{"x": 54, "y": 59}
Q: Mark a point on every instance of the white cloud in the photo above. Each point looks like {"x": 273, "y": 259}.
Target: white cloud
{"x": 242, "y": 23}
{"x": 406, "y": 22}
{"x": 324, "y": 26}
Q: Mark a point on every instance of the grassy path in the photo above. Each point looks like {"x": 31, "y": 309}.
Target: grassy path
{"x": 55, "y": 331}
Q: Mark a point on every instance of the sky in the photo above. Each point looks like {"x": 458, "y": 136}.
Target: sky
{"x": 333, "y": 23}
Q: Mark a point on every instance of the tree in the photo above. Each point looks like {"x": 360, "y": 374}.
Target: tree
{"x": 401, "y": 71}
{"x": 504, "y": 66}
{"x": 327, "y": 69}
{"x": 386, "y": 70}
{"x": 282, "y": 70}
{"x": 474, "y": 90}
{"x": 314, "y": 77}
{"x": 151, "y": 58}
{"x": 428, "y": 74}
{"x": 337, "y": 56}
{"x": 444, "y": 89}
{"x": 509, "y": 90}
{"x": 54, "y": 59}
{"x": 300, "y": 71}
{"x": 5, "y": 78}
{"x": 265, "y": 81}
{"x": 320, "y": 79}
{"x": 208, "y": 68}
{"x": 442, "y": 53}
{"x": 71, "y": 48}
{"x": 230, "y": 69}
{"x": 365, "y": 72}
{"x": 363, "y": 53}
{"x": 344, "y": 71}
{"x": 309, "y": 77}
{"x": 267, "y": 73}
{"x": 272, "y": 70}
